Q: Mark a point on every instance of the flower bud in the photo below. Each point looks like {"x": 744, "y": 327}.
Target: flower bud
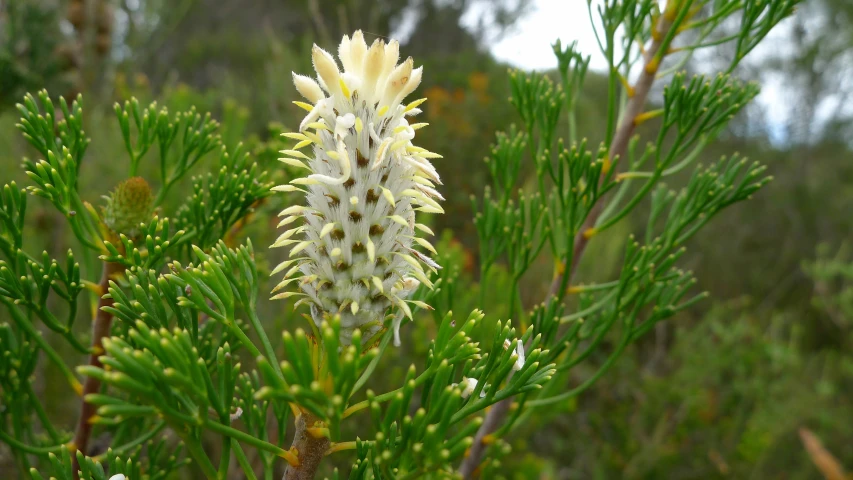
{"x": 128, "y": 206}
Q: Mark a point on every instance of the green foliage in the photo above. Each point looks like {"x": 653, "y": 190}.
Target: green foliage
{"x": 170, "y": 344}
{"x": 223, "y": 197}
{"x": 711, "y": 415}
{"x": 188, "y": 364}
{"x": 29, "y": 282}
{"x": 579, "y": 178}
{"x": 694, "y": 114}
{"x": 56, "y": 178}
{"x": 409, "y": 445}
{"x": 91, "y": 469}
{"x": 31, "y": 55}
{"x": 49, "y": 134}
{"x": 196, "y": 136}
{"x": 125, "y": 236}
{"x": 158, "y": 238}
{"x": 578, "y": 182}
{"x": 832, "y": 274}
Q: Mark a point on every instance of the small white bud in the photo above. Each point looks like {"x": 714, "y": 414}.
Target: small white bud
{"x": 519, "y": 351}
{"x": 469, "y": 385}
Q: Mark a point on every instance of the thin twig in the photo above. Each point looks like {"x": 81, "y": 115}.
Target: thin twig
{"x": 496, "y": 416}
{"x": 100, "y": 329}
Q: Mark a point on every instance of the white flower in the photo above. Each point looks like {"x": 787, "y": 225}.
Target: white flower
{"x": 470, "y": 384}
{"x": 354, "y": 253}
{"x": 118, "y": 477}
{"x": 519, "y": 353}
{"x": 519, "y": 350}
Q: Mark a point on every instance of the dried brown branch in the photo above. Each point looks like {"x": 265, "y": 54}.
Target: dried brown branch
{"x": 828, "y": 465}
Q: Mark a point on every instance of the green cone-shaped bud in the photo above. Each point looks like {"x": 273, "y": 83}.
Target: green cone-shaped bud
{"x": 128, "y": 206}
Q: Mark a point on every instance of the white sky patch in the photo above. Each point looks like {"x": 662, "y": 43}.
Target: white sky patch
{"x": 528, "y": 45}
{"x": 776, "y": 108}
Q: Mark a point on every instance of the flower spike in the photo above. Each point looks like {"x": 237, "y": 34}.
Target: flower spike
{"x": 355, "y": 247}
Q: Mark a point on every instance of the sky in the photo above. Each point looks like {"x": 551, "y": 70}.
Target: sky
{"x": 528, "y": 45}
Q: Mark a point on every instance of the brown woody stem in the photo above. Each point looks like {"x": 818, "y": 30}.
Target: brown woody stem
{"x": 497, "y": 414}
{"x": 494, "y": 419}
{"x": 308, "y": 448}
{"x": 100, "y": 329}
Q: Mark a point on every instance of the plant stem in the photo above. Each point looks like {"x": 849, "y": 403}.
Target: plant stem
{"x": 14, "y": 443}
{"x": 42, "y": 415}
{"x": 242, "y": 460}
{"x": 245, "y": 438}
{"x": 100, "y": 329}
{"x": 24, "y": 324}
{"x": 121, "y": 449}
{"x": 309, "y": 450}
{"x": 197, "y": 453}
{"x": 496, "y": 416}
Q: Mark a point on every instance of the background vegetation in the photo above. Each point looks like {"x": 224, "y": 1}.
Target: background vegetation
{"x": 722, "y": 391}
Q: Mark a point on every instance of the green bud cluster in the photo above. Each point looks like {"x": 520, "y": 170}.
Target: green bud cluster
{"x": 129, "y": 206}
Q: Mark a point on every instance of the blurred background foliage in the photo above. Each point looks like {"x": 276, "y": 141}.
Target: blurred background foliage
{"x": 721, "y": 392}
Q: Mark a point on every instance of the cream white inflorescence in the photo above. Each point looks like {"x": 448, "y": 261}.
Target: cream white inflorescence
{"x": 354, "y": 252}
